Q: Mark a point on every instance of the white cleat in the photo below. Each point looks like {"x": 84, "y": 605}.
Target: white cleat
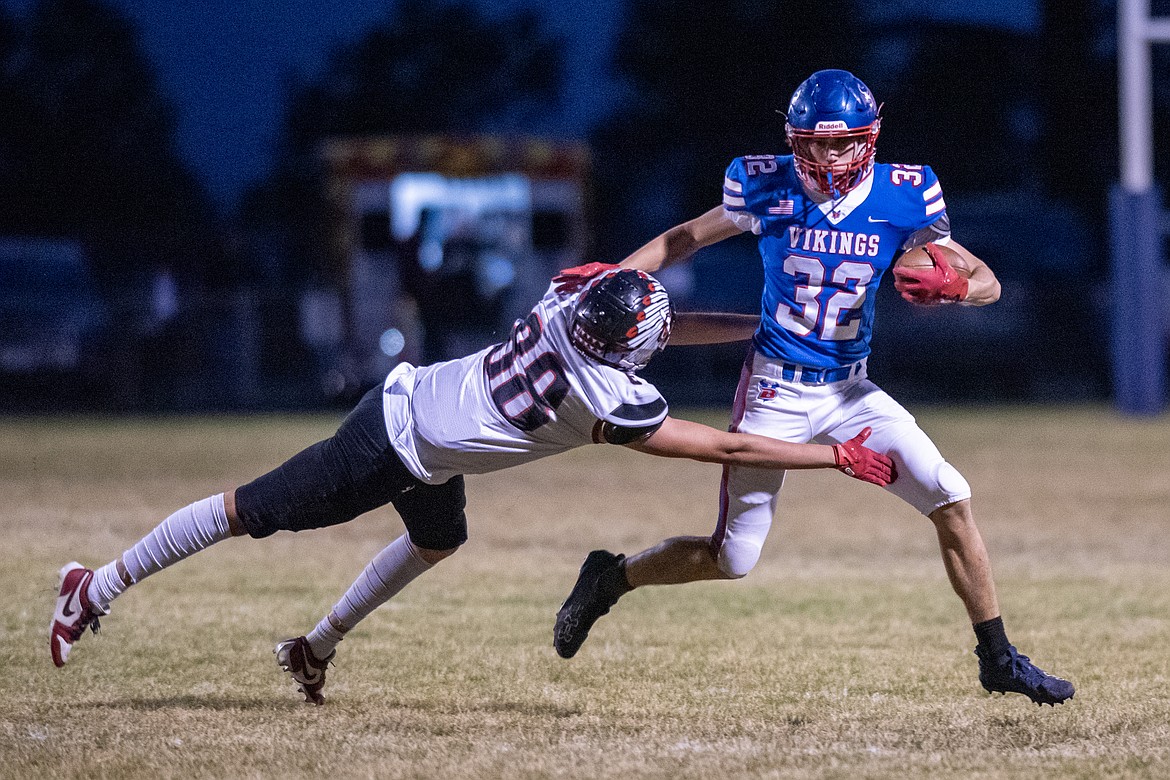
{"x": 74, "y": 612}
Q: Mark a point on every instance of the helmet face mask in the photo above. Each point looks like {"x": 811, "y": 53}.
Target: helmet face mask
{"x": 836, "y": 107}
{"x": 622, "y": 320}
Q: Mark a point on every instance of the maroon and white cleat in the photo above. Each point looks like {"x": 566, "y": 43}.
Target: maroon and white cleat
{"x": 296, "y": 657}
{"x": 74, "y": 613}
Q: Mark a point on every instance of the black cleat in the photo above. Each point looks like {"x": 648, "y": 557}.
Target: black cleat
{"x": 599, "y": 585}
{"x": 307, "y": 670}
{"x": 1012, "y": 672}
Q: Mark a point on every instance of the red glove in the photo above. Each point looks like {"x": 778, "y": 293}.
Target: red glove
{"x": 863, "y": 463}
{"x": 570, "y": 280}
{"x": 930, "y": 286}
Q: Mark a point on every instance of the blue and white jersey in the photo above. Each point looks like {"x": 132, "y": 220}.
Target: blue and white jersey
{"x": 823, "y": 261}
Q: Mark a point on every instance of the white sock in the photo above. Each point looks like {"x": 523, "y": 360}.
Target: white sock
{"x": 191, "y": 529}
{"x": 389, "y": 572}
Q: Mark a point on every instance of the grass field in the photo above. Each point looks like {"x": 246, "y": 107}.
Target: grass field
{"x": 844, "y": 654}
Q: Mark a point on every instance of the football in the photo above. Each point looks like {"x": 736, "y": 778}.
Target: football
{"x": 919, "y": 258}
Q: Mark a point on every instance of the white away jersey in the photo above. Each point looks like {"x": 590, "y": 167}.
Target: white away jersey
{"x": 532, "y": 396}
{"x": 823, "y": 261}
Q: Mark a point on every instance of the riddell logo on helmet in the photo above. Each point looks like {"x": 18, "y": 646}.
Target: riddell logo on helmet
{"x": 824, "y": 127}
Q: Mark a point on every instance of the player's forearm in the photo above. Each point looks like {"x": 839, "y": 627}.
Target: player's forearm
{"x": 663, "y": 251}
{"x": 982, "y": 288}
{"x": 693, "y": 327}
{"x": 682, "y": 241}
{"x": 747, "y": 449}
{"x": 684, "y": 439}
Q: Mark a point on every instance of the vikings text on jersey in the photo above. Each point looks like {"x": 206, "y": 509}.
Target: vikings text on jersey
{"x": 823, "y": 261}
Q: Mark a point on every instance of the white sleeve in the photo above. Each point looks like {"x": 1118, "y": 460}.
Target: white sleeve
{"x": 744, "y": 220}
{"x": 641, "y": 406}
{"x": 615, "y": 396}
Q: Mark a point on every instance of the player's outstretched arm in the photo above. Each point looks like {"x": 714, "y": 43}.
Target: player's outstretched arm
{"x": 676, "y": 244}
{"x": 982, "y": 288}
{"x": 682, "y": 241}
{"x": 683, "y": 439}
{"x": 703, "y": 327}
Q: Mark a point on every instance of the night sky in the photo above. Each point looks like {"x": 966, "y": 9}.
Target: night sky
{"x": 223, "y": 62}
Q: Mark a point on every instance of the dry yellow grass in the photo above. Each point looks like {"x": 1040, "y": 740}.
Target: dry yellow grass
{"x": 844, "y": 654}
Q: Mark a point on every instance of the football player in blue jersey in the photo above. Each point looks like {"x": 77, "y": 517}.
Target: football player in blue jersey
{"x": 830, "y": 220}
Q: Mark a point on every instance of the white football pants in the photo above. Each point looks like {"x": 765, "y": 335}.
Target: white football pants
{"x": 768, "y": 405}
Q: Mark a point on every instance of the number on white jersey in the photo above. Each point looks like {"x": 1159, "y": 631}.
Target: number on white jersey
{"x": 527, "y": 385}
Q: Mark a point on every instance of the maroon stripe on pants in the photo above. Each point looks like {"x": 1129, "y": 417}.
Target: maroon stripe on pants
{"x": 737, "y": 412}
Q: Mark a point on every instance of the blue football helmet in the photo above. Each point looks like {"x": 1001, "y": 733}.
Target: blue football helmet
{"x": 622, "y": 319}
{"x": 832, "y": 104}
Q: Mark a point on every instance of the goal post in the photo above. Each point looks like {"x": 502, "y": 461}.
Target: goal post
{"x": 1139, "y": 226}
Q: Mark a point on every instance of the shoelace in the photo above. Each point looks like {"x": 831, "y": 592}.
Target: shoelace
{"x": 90, "y": 621}
{"x": 311, "y": 660}
{"x": 1022, "y": 667}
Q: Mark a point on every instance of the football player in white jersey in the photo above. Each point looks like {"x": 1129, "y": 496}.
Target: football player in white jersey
{"x": 566, "y": 377}
{"x": 830, "y": 222}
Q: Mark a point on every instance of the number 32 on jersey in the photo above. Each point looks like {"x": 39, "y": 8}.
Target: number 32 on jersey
{"x": 835, "y": 319}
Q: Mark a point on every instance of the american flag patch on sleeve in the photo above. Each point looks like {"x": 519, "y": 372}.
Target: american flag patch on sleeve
{"x": 783, "y": 208}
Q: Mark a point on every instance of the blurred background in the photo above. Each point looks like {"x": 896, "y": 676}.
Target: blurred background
{"x": 250, "y": 205}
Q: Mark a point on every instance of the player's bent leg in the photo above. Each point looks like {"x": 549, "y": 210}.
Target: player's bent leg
{"x": 747, "y": 504}
{"x": 307, "y": 657}
{"x": 965, "y": 559}
{"x": 674, "y": 561}
{"x": 766, "y": 406}
{"x": 436, "y": 527}
{"x": 936, "y": 489}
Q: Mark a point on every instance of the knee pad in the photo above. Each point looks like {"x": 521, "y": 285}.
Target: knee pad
{"x": 951, "y": 483}
{"x": 736, "y": 558}
{"x": 925, "y": 480}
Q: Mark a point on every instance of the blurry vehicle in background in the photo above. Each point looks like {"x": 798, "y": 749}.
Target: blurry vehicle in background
{"x": 436, "y": 244}
{"x": 50, "y": 313}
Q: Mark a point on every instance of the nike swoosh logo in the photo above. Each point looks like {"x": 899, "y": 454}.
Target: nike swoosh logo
{"x": 74, "y": 599}
{"x": 871, "y": 219}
